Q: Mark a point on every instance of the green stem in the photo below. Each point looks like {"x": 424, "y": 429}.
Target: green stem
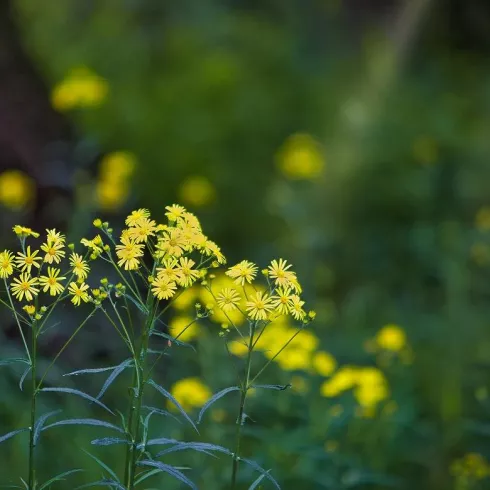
{"x": 32, "y": 468}
{"x": 136, "y": 401}
{"x": 243, "y": 397}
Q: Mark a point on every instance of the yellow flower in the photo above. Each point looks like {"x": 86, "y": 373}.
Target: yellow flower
{"x": 54, "y": 251}
{"x": 191, "y": 393}
{"x": 300, "y": 157}
{"x": 471, "y": 465}
{"x": 183, "y": 328}
{"x": 6, "y": 264}
{"x": 238, "y": 348}
{"x": 296, "y": 307}
{"x": 17, "y": 189}
{"x": 228, "y": 299}
{"x": 292, "y": 359}
{"x": 81, "y": 88}
{"x": 344, "y": 379}
{"x": 117, "y": 166}
{"x": 162, "y": 288}
{"x": 278, "y": 270}
{"x": 53, "y": 236}
{"x": 143, "y": 229}
{"x": 95, "y": 244}
{"x": 259, "y": 306}
{"x": 29, "y": 309}
{"x": 391, "y": 337}
{"x": 372, "y": 387}
{"x": 243, "y": 272}
{"x": 24, "y": 286}
{"x": 134, "y": 218}
{"x": 172, "y": 242}
{"x": 324, "y": 363}
{"x": 50, "y": 282}
{"x": 211, "y": 248}
{"x": 281, "y": 301}
{"x": 23, "y": 231}
{"x": 197, "y": 191}
{"x": 79, "y": 267}
{"x": 169, "y": 269}
{"x": 111, "y": 195}
{"x": 129, "y": 253}
{"x": 79, "y": 293}
{"x": 187, "y": 275}
{"x": 174, "y": 212}
{"x": 25, "y": 261}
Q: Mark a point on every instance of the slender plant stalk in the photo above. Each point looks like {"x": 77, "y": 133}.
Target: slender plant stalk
{"x": 32, "y": 467}
{"x": 243, "y": 398}
{"x": 137, "y": 392}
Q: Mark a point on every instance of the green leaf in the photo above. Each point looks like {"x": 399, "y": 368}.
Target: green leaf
{"x": 263, "y": 472}
{"x": 215, "y": 398}
{"x": 167, "y": 395}
{"x": 23, "y": 377}
{"x": 106, "y": 482}
{"x": 115, "y": 373}
{"x": 6, "y": 362}
{"x": 92, "y": 422}
{"x": 78, "y": 393}
{"x": 158, "y": 442}
{"x": 142, "y": 477}
{"x": 103, "y": 466}
{"x": 40, "y": 422}
{"x": 256, "y": 483}
{"x": 170, "y": 470}
{"x": 138, "y": 304}
{"x": 202, "y": 447}
{"x": 272, "y": 387}
{"x": 59, "y": 477}
{"x": 11, "y": 434}
{"x": 109, "y": 441}
{"x": 91, "y": 371}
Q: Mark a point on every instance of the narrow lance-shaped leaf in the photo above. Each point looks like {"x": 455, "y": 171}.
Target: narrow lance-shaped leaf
{"x": 11, "y": 434}
{"x": 106, "y": 482}
{"x": 261, "y": 470}
{"x": 59, "y": 477}
{"x": 272, "y": 387}
{"x": 167, "y": 395}
{"x": 103, "y": 465}
{"x": 109, "y": 441}
{"x": 23, "y": 377}
{"x": 115, "y": 373}
{"x": 92, "y": 370}
{"x": 256, "y": 483}
{"x": 202, "y": 447}
{"x": 161, "y": 441}
{"x": 6, "y": 362}
{"x": 214, "y": 398}
{"x": 78, "y": 393}
{"x": 170, "y": 470}
{"x": 143, "y": 476}
{"x": 90, "y": 422}
{"x": 40, "y": 422}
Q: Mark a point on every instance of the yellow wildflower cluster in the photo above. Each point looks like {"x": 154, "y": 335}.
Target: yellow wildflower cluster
{"x": 369, "y": 386}
{"x": 40, "y": 270}
{"x": 190, "y": 393}
{"x": 470, "y": 468}
{"x": 81, "y": 88}
{"x": 390, "y": 342}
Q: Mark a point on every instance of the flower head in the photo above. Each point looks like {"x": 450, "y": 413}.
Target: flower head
{"x": 174, "y": 212}
{"x": 134, "y": 218}
{"x": 79, "y": 266}
{"x": 281, "y": 301}
{"x": 79, "y": 293}
{"x": 228, "y": 299}
{"x": 129, "y": 253}
{"x": 25, "y": 286}
{"x": 162, "y": 288}
{"x": 242, "y": 272}
{"x": 142, "y": 229}
{"x": 6, "y": 264}
{"x": 54, "y": 251}
{"x": 187, "y": 275}
{"x": 296, "y": 307}
{"x": 23, "y": 232}
{"x": 51, "y": 282}
{"x": 25, "y": 261}
{"x": 259, "y": 306}
{"x": 279, "y": 271}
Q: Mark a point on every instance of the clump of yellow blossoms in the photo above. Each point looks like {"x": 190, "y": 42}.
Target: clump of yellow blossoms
{"x": 468, "y": 470}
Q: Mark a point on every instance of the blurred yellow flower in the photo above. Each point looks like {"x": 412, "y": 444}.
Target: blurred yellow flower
{"x": 300, "y": 157}
{"x": 482, "y": 219}
{"x": 292, "y": 359}
{"x": 179, "y": 326}
{"x": 190, "y": 393}
{"x": 480, "y": 253}
{"x": 391, "y": 337}
{"x": 372, "y": 387}
{"x": 117, "y": 166}
{"x": 80, "y": 88}
{"x": 471, "y": 466}
{"x": 344, "y": 379}
{"x": 425, "y": 150}
{"x": 197, "y": 191}
{"x": 111, "y": 196}
{"x": 17, "y": 189}
{"x": 324, "y": 363}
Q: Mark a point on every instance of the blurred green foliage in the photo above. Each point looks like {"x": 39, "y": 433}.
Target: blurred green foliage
{"x": 386, "y": 234}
